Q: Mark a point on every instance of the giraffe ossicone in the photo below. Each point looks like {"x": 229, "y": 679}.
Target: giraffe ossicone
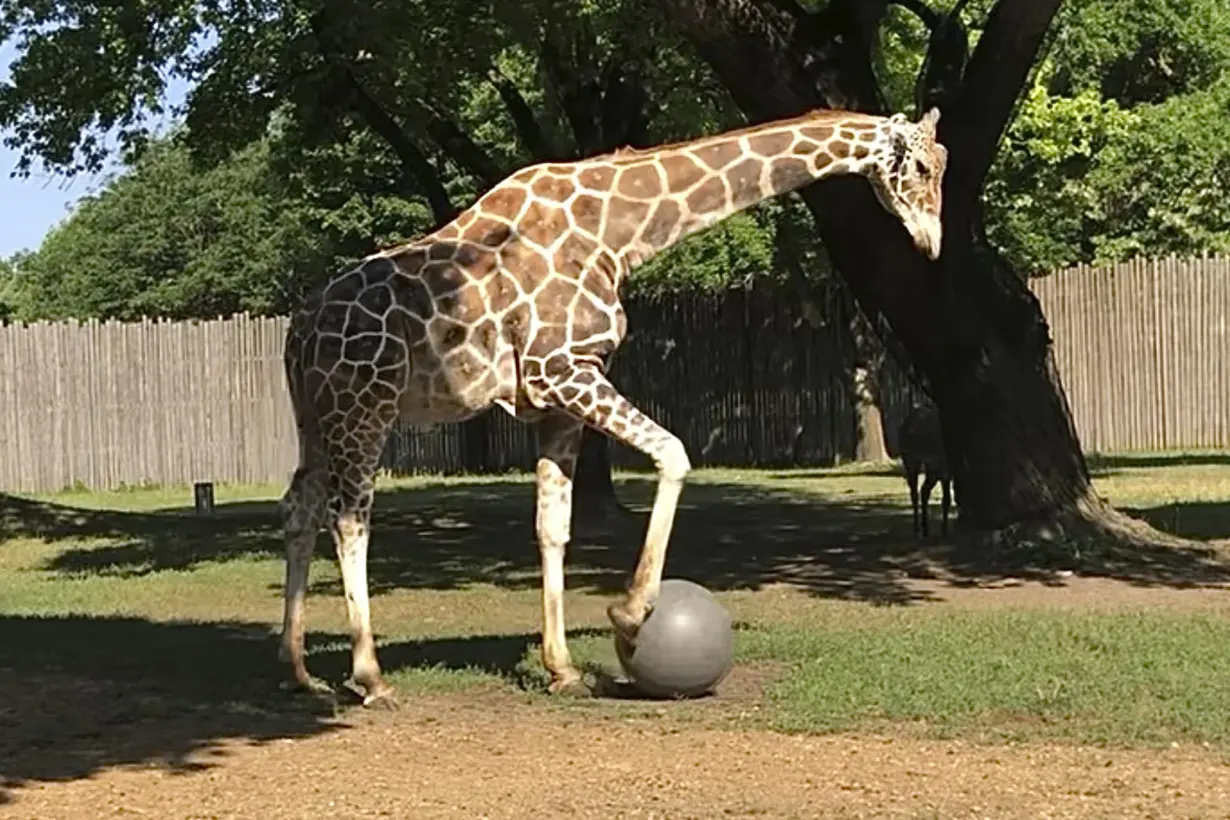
{"x": 515, "y": 304}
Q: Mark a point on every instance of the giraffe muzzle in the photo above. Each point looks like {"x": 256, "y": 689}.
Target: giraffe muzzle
{"x": 928, "y": 235}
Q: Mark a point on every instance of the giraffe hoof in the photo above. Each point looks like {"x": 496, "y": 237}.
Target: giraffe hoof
{"x": 626, "y": 624}
{"x": 375, "y": 695}
{"x": 569, "y": 684}
{"x": 382, "y": 701}
{"x": 307, "y": 684}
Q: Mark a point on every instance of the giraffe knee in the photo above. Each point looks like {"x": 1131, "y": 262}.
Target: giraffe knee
{"x": 673, "y": 462}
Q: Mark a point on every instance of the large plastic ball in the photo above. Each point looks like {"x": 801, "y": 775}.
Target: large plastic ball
{"x": 684, "y": 648}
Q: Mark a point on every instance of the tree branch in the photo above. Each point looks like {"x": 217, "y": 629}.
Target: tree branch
{"x": 446, "y": 133}
{"x": 994, "y": 78}
{"x": 529, "y": 131}
{"x": 417, "y": 167}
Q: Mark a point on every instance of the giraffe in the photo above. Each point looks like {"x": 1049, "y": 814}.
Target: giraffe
{"x": 515, "y": 304}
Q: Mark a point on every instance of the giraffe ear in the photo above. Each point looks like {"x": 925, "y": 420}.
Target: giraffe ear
{"x": 930, "y": 120}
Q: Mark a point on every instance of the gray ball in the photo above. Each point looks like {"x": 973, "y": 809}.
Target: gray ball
{"x": 686, "y": 645}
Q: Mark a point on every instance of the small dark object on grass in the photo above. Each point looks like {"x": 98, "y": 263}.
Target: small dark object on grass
{"x": 684, "y": 648}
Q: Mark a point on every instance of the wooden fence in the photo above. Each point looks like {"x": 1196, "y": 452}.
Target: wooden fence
{"x": 740, "y": 377}
{"x": 1143, "y": 351}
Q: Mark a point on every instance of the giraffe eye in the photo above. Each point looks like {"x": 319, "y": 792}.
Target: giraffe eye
{"x": 921, "y": 168}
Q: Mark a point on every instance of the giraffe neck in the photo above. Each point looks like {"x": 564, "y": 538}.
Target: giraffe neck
{"x": 673, "y": 192}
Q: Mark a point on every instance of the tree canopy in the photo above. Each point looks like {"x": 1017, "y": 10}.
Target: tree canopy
{"x": 317, "y": 131}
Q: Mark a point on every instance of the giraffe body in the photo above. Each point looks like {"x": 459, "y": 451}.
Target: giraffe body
{"x": 515, "y": 304}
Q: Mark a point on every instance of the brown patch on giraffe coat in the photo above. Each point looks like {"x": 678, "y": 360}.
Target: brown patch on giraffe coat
{"x": 409, "y": 260}
{"x": 708, "y": 198}
{"x": 624, "y": 218}
{"x": 682, "y": 172}
{"x": 447, "y": 334}
{"x": 501, "y": 291}
{"x": 839, "y": 149}
{"x": 554, "y": 299}
{"x": 441, "y": 251}
{"x": 505, "y": 200}
{"x": 556, "y": 366}
{"x": 821, "y": 161}
{"x": 596, "y": 177}
{"x": 543, "y": 223}
{"x": 587, "y": 213}
{"x": 592, "y": 322}
{"x": 549, "y": 337}
{"x": 525, "y": 264}
{"x": 666, "y": 218}
{"x": 464, "y": 305}
{"x": 744, "y": 179}
{"x": 789, "y": 174}
{"x": 552, "y": 188}
{"x": 443, "y": 277}
{"x": 717, "y": 155}
{"x": 771, "y": 144}
{"x": 450, "y": 231}
{"x": 527, "y": 174}
{"x": 860, "y": 151}
{"x": 485, "y": 336}
{"x": 488, "y": 233}
{"x": 819, "y": 133}
{"x": 639, "y": 182}
{"x": 573, "y": 256}
{"x": 868, "y": 135}
{"x": 516, "y": 323}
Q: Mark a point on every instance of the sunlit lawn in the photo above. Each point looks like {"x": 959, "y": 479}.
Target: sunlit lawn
{"x": 814, "y": 564}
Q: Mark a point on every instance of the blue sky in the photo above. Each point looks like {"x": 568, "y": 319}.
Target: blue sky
{"x": 30, "y": 207}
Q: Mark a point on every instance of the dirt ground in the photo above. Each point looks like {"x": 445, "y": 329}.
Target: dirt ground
{"x": 493, "y": 757}
{"x": 498, "y": 755}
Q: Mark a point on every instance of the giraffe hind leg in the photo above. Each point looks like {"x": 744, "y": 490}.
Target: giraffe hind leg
{"x": 303, "y": 515}
{"x": 585, "y": 393}
{"x": 352, "y": 476}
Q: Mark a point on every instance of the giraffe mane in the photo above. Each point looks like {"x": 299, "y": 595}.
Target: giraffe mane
{"x": 817, "y": 116}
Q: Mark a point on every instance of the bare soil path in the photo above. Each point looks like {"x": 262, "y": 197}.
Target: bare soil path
{"x": 496, "y": 754}
{"x": 493, "y": 756}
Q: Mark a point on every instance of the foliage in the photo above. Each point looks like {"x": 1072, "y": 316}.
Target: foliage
{"x": 1140, "y": 52}
{"x": 168, "y": 240}
{"x": 1119, "y": 147}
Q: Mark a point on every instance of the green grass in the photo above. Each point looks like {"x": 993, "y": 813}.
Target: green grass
{"x": 123, "y": 608}
{"x": 1125, "y": 678}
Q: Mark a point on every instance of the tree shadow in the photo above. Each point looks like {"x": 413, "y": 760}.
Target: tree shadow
{"x": 1129, "y": 461}
{"x": 728, "y": 535}
{"x": 79, "y": 695}
{"x": 1106, "y": 465}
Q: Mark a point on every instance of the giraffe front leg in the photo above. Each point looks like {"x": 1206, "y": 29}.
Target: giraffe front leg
{"x": 559, "y": 443}
{"x": 586, "y": 393}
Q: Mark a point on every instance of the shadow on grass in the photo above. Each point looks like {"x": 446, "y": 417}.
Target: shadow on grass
{"x": 1100, "y": 463}
{"x": 728, "y": 536}
{"x": 79, "y": 695}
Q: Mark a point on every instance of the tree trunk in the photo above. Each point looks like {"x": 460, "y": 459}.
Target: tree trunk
{"x": 971, "y": 327}
{"x": 869, "y": 430}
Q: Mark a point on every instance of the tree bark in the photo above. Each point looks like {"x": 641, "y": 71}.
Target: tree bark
{"x": 864, "y": 380}
{"x": 971, "y": 327}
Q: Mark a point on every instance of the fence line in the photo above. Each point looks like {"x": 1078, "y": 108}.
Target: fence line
{"x": 743, "y": 380}
{"x": 1143, "y": 351}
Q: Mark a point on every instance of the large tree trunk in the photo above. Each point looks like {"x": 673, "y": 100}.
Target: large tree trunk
{"x": 972, "y": 329}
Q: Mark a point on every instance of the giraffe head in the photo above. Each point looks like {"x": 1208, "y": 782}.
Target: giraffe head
{"x": 906, "y": 174}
